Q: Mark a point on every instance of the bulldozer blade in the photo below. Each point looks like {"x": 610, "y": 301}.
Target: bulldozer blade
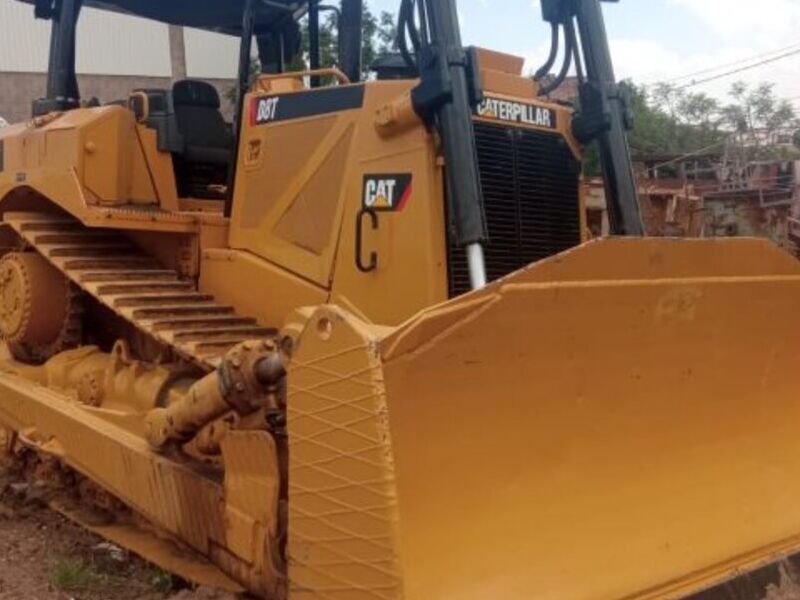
{"x": 619, "y": 421}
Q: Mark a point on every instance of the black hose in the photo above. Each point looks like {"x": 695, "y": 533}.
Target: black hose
{"x": 423, "y": 23}
{"x": 569, "y": 52}
{"x": 551, "y": 60}
{"x": 407, "y": 29}
{"x": 413, "y": 32}
{"x": 402, "y": 42}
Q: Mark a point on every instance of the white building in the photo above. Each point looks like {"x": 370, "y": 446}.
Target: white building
{"x": 115, "y": 54}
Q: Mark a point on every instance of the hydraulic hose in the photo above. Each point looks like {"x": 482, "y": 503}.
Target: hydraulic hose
{"x": 551, "y": 59}
{"x": 407, "y": 29}
{"x": 569, "y": 51}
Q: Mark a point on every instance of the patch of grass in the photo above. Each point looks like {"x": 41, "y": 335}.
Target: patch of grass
{"x": 162, "y": 582}
{"x": 102, "y": 578}
{"x": 73, "y": 575}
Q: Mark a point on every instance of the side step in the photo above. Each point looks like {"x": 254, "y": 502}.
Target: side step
{"x": 110, "y": 267}
{"x": 161, "y": 552}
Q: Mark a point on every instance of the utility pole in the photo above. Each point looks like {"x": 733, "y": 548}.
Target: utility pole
{"x": 177, "y": 52}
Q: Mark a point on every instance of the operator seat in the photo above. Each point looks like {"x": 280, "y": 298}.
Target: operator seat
{"x": 206, "y": 139}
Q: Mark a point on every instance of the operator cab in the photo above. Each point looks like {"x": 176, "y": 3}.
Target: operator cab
{"x": 207, "y": 140}
{"x": 190, "y": 126}
{"x": 188, "y": 117}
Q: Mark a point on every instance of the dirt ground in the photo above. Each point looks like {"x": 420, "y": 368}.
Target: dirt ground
{"x": 787, "y": 591}
{"x": 45, "y": 557}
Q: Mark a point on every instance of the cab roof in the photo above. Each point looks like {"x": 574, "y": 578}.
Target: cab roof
{"x": 224, "y": 16}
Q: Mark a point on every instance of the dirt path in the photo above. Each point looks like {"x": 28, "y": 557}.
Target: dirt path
{"x": 45, "y": 557}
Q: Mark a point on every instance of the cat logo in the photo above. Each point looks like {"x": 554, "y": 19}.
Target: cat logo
{"x": 387, "y": 193}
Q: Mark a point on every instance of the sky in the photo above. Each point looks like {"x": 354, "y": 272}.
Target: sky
{"x": 655, "y": 40}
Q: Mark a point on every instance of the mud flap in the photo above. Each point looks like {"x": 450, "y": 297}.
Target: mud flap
{"x": 621, "y": 421}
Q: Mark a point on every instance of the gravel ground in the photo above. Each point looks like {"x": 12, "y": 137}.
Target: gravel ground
{"x": 45, "y": 557}
{"x": 788, "y": 591}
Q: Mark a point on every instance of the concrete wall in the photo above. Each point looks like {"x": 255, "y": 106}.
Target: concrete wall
{"x": 18, "y": 90}
{"x": 112, "y": 44}
{"x": 115, "y": 54}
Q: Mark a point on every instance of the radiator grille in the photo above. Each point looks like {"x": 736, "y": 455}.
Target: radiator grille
{"x": 530, "y": 183}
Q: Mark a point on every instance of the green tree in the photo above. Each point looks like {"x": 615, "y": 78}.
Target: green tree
{"x": 667, "y": 122}
{"x": 379, "y": 35}
{"x": 757, "y": 109}
{"x": 690, "y": 120}
{"x": 671, "y": 121}
{"x": 762, "y": 128}
{"x": 387, "y": 33}
{"x": 378, "y": 32}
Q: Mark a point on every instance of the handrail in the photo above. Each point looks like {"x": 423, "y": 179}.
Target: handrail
{"x": 328, "y": 72}
{"x": 139, "y": 103}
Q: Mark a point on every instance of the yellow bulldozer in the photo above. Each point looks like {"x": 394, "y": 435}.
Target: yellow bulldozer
{"x": 357, "y": 345}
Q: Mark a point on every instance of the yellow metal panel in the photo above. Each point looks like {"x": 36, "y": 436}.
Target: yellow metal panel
{"x": 581, "y": 437}
{"x": 252, "y": 483}
{"x": 81, "y": 157}
{"x": 627, "y": 258}
{"x": 160, "y": 168}
{"x": 295, "y": 155}
{"x": 500, "y": 61}
{"x": 512, "y": 85}
{"x": 107, "y": 145}
{"x": 410, "y": 244}
{"x": 56, "y": 149}
{"x": 254, "y": 286}
{"x": 141, "y": 190}
{"x": 342, "y": 504}
{"x": 310, "y": 221}
{"x": 298, "y": 208}
{"x": 283, "y": 153}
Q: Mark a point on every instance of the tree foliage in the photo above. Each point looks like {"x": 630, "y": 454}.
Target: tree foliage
{"x": 672, "y": 121}
{"x": 757, "y": 109}
{"x": 378, "y": 31}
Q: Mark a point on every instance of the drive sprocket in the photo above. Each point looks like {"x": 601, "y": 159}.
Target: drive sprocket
{"x": 40, "y": 312}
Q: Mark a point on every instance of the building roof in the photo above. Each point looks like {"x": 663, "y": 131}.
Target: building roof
{"x": 223, "y": 16}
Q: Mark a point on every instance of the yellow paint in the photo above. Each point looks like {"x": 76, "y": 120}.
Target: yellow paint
{"x": 258, "y": 279}
{"x": 618, "y": 421}
{"x": 160, "y": 168}
{"x": 614, "y": 431}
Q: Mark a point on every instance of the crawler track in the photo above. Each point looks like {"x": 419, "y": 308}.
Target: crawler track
{"x": 108, "y": 266}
